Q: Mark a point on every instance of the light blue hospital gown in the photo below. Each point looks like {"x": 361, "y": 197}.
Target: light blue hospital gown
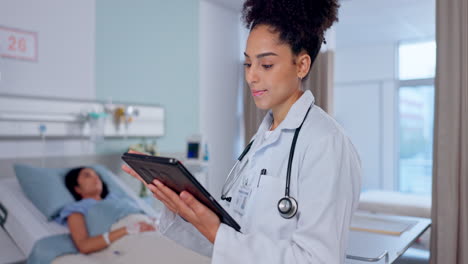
{"x": 81, "y": 206}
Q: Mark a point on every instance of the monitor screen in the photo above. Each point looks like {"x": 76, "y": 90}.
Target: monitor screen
{"x": 193, "y": 150}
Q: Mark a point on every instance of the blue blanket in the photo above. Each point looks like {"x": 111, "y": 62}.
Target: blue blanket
{"x": 99, "y": 220}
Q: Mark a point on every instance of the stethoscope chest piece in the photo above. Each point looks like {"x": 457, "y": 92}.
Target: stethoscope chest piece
{"x": 287, "y": 207}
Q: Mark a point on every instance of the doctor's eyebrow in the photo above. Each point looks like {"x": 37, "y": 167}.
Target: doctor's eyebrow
{"x": 261, "y": 55}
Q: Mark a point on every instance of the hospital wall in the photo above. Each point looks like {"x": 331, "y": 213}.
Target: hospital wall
{"x": 64, "y": 68}
{"x": 182, "y": 55}
{"x": 147, "y": 52}
{"x": 187, "y": 60}
{"x": 365, "y": 105}
{"x": 131, "y": 51}
{"x": 220, "y": 94}
{"x": 189, "y": 63}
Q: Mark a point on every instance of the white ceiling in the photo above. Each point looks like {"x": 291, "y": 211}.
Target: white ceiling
{"x": 231, "y": 4}
{"x": 373, "y": 22}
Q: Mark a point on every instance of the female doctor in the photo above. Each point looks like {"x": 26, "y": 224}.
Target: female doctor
{"x": 299, "y": 214}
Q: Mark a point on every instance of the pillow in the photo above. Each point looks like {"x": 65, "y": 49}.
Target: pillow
{"x": 45, "y": 187}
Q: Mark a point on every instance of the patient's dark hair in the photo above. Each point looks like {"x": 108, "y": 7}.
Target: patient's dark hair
{"x": 71, "y": 181}
{"x": 300, "y": 23}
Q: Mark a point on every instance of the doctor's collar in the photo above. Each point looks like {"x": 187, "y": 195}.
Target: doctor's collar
{"x": 295, "y": 114}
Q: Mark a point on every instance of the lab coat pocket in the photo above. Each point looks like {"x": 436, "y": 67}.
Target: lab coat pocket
{"x": 266, "y": 180}
{"x": 268, "y": 193}
{"x": 270, "y": 190}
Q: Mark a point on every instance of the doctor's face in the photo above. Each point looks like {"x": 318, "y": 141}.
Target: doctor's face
{"x": 270, "y": 69}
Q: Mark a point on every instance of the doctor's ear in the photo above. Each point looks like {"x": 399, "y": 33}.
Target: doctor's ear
{"x": 303, "y": 63}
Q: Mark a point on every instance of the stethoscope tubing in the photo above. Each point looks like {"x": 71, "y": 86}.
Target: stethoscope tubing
{"x": 229, "y": 184}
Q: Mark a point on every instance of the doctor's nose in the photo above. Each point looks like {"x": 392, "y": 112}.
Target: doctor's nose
{"x": 251, "y": 77}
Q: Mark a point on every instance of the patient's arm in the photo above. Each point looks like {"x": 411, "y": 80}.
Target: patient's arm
{"x": 86, "y": 244}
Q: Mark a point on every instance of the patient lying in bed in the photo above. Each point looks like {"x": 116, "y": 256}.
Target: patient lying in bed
{"x": 90, "y": 191}
{"x": 105, "y": 228}
{"x": 90, "y": 218}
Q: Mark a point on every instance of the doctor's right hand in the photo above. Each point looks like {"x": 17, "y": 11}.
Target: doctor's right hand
{"x": 185, "y": 205}
{"x": 189, "y": 208}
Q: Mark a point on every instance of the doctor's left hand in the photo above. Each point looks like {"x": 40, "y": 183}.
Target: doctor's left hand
{"x": 188, "y": 207}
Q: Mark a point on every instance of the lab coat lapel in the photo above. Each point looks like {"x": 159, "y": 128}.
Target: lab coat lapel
{"x": 292, "y": 121}
{"x": 259, "y": 138}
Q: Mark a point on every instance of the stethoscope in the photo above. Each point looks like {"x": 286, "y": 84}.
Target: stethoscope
{"x": 287, "y": 206}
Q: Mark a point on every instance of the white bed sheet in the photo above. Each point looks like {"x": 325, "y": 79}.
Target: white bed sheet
{"x": 26, "y": 224}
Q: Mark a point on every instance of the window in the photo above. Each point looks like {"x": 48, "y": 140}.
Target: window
{"x": 416, "y": 60}
{"x": 416, "y": 116}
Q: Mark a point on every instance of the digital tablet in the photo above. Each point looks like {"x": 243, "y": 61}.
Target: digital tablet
{"x": 174, "y": 175}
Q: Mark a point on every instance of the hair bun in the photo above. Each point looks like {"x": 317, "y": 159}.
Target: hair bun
{"x": 312, "y": 16}
{"x": 300, "y": 23}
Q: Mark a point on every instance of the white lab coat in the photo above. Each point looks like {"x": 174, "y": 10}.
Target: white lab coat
{"x": 325, "y": 180}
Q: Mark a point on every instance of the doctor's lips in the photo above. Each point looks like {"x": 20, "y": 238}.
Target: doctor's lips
{"x": 257, "y": 93}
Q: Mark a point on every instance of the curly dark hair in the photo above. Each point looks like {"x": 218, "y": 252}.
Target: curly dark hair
{"x": 300, "y": 23}
{"x": 71, "y": 181}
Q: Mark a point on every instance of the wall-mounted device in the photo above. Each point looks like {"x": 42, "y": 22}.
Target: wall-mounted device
{"x": 194, "y": 148}
{"x": 20, "y": 117}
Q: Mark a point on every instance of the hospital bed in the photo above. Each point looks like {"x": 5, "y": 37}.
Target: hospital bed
{"x": 25, "y": 224}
